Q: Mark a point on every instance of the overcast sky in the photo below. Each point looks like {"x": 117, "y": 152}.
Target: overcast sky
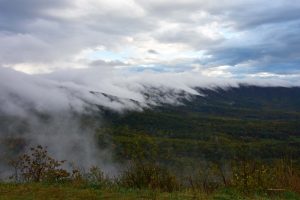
{"x": 222, "y": 38}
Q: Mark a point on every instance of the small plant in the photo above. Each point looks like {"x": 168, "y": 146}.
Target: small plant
{"x": 150, "y": 176}
{"x": 207, "y": 178}
{"x": 287, "y": 174}
{"x": 96, "y": 178}
{"x": 37, "y": 166}
{"x": 95, "y": 175}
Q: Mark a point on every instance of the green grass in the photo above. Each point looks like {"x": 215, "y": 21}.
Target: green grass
{"x": 69, "y": 191}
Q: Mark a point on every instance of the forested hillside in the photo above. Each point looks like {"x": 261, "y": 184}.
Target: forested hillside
{"x": 260, "y": 122}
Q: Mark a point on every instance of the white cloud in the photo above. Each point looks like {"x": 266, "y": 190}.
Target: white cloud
{"x": 79, "y": 89}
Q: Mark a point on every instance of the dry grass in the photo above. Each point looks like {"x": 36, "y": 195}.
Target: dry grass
{"x": 68, "y": 191}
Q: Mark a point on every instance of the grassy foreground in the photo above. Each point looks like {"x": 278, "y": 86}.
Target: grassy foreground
{"x": 69, "y": 191}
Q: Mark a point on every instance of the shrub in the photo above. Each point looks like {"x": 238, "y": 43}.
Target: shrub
{"x": 251, "y": 175}
{"x": 37, "y": 166}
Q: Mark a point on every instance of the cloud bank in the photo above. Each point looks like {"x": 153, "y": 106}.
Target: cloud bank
{"x": 84, "y": 90}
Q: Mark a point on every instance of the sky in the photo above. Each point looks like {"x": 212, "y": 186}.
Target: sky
{"x": 216, "y": 38}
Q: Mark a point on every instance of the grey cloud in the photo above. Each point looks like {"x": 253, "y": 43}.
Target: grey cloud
{"x": 187, "y": 35}
{"x": 35, "y": 31}
{"x": 152, "y": 51}
{"x": 99, "y": 63}
{"x": 277, "y": 47}
{"x": 243, "y": 13}
{"x": 263, "y": 13}
{"x": 15, "y": 15}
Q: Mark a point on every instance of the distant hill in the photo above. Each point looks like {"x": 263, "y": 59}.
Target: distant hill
{"x": 265, "y": 121}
